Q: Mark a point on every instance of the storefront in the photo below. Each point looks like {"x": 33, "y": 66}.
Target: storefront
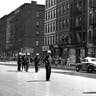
{"x": 72, "y": 56}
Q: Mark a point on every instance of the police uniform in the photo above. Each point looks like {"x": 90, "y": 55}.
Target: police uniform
{"x": 26, "y": 62}
{"x": 19, "y": 61}
{"x": 36, "y": 62}
{"x": 23, "y": 62}
{"x": 48, "y": 59}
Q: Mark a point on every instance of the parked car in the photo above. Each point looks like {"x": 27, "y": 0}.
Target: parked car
{"x": 87, "y": 64}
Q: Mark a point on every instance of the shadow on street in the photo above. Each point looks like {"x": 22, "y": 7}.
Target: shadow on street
{"x": 37, "y": 81}
{"x": 89, "y": 92}
{"x": 12, "y": 71}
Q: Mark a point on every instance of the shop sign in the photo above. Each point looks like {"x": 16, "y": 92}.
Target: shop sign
{"x": 28, "y": 50}
{"x": 45, "y": 48}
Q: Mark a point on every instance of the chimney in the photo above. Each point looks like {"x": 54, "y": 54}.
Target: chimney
{"x": 33, "y": 2}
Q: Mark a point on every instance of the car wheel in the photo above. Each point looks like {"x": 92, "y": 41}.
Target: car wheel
{"x": 90, "y": 69}
{"x": 77, "y": 69}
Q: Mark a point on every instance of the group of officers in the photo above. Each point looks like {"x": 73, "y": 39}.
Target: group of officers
{"x": 24, "y": 59}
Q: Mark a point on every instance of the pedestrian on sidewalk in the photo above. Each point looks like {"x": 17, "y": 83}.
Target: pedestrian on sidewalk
{"x": 48, "y": 60}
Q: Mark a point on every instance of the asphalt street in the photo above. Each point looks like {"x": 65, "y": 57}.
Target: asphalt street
{"x": 62, "y": 83}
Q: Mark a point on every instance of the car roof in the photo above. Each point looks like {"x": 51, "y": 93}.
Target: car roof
{"x": 89, "y": 58}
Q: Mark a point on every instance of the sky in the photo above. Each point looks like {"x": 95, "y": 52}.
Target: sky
{"x": 7, "y": 6}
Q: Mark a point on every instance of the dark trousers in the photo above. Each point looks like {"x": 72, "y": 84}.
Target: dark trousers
{"x": 48, "y": 72}
{"x": 36, "y": 68}
{"x": 26, "y": 66}
{"x": 19, "y": 66}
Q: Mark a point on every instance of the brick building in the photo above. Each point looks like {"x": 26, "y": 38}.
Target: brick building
{"x": 57, "y": 26}
{"x": 2, "y": 35}
{"x": 24, "y": 29}
{"x": 74, "y": 28}
{"x": 83, "y": 24}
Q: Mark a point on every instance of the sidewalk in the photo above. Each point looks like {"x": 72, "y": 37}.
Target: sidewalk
{"x": 71, "y": 67}
{"x": 8, "y": 62}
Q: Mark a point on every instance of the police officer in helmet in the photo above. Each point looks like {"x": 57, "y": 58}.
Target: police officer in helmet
{"x": 36, "y": 60}
{"x": 48, "y": 60}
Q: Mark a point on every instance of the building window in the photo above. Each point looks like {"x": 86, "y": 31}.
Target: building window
{"x": 64, "y": 9}
{"x": 51, "y": 27}
{"x": 51, "y": 14}
{"x": 63, "y": 23}
{"x": 84, "y": 36}
{"x": 45, "y": 40}
{"x": 78, "y": 21}
{"x": 79, "y": 5}
{"x": 90, "y": 35}
{"x": 57, "y": 11}
{"x": 54, "y": 26}
{"x": 37, "y": 32}
{"x": 60, "y": 25}
{"x": 48, "y": 15}
{"x": 67, "y": 22}
{"x": 37, "y": 14}
{"x": 45, "y": 28}
{"x": 48, "y": 41}
{"x": 37, "y": 24}
{"x": 48, "y": 27}
{"x": 37, "y": 43}
{"x": 54, "y": 2}
{"x": 51, "y": 2}
{"x": 61, "y": 10}
{"x": 67, "y": 6}
{"x": 52, "y": 39}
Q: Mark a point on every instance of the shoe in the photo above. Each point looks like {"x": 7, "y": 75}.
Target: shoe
{"x": 47, "y": 80}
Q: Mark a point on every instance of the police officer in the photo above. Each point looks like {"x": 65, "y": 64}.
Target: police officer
{"x": 19, "y": 61}
{"x": 23, "y": 61}
{"x": 48, "y": 60}
{"x": 36, "y": 62}
{"x": 26, "y": 62}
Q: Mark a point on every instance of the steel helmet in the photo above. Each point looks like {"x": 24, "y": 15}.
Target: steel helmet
{"x": 20, "y": 53}
{"x": 49, "y": 51}
{"x": 37, "y": 53}
{"x": 28, "y": 53}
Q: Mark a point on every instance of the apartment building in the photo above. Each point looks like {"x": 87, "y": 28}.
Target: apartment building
{"x": 25, "y": 28}
{"x": 70, "y": 27}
